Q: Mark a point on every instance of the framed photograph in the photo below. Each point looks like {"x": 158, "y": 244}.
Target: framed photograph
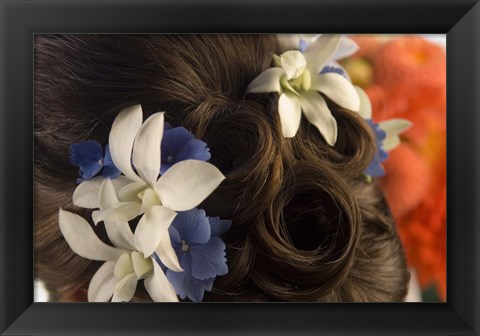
{"x": 94, "y": 59}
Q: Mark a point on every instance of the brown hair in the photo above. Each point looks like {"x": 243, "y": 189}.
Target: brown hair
{"x": 306, "y": 226}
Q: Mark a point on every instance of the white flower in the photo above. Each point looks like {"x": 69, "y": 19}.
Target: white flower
{"x": 392, "y": 127}
{"x": 298, "y": 79}
{"x": 184, "y": 186}
{"x": 125, "y": 264}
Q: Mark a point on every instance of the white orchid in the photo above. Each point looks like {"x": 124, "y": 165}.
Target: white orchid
{"x": 392, "y": 127}
{"x": 141, "y": 191}
{"x": 298, "y": 79}
{"x": 126, "y": 263}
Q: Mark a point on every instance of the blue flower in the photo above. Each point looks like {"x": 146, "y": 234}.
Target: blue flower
{"x": 375, "y": 169}
{"x": 179, "y": 144}
{"x": 200, "y": 251}
{"x": 332, "y": 69}
{"x": 88, "y": 156}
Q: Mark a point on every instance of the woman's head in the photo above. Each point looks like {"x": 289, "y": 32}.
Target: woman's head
{"x": 306, "y": 225}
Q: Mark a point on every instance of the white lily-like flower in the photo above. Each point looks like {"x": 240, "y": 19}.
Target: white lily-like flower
{"x": 298, "y": 79}
{"x": 125, "y": 263}
{"x": 141, "y": 191}
{"x": 392, "y": 127}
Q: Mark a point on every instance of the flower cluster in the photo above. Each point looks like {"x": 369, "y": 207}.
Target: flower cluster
{"x": 158, "y": 176}
{"x": 303, "y": 77}
{"x": 305, "y": 73}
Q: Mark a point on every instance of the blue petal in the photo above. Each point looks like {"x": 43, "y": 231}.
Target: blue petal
{"x": 194, "y": 150}
{"x": 174, "y": 235}
{"x": 185, "y": 285}
{"x": 375, "y": 169}
{"x": 90, "y": 168}
{"x": 328, "y": 68}
{"x": 173, "y": 141}
{"x": 110, "y": 172}
{"x": 192, "y": 226}
{"x": 109, "y": 168}
{"x": 179, "y": 144}
{"x": 86, "y": 150}
{"x": 208, "y": 260}
{"x": 383, "y": 153}
{"x": 219, "y": 226}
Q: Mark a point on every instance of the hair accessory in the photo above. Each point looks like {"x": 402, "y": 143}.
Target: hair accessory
{"x": 88, "y": 156}
{"x": 182, "y": 259}
{"x": 386, "y": 134}
{"x": 298, "y": 77}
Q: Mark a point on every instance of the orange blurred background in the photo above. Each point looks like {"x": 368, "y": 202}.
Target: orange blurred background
{"x": 405, "y": 77}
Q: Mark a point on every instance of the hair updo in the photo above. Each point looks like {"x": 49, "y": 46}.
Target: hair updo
{"x": 306, "y": 226}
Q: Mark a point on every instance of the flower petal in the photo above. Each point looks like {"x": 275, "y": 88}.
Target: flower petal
{"x": 146, "y": 150}
{"x": 87, "y": 192}
{"x": 103, "y": 283}
{"x": 208, "y": 260}
{"x": 173, "y": 141}
{"x": 395, "y": 126}
{"x": 365, "y": 109}
{"x": 293, "y": 63}
{"x": 391, "y": 142}
{"x": 109, "y": 168}
{"x": 142, "y": 266}
{"x": 149, "y": 199}
{"x": 338, "y": 89}
{"x": 90, "y": 168}
{"x": 152, "y": 227}
{"x": 123, "y": 266}
{"x": 87, "y": 150}
{"x": 267, "y": 81}
{"x": 187, "y": 183}
{"x": 346, "y": 47}
{"x": 219, "y": 226}
{"x": 129, "y": 193}
{"x": 288, "y": 41}
{"x": 167, "y": 254}
{"x": 318, "y": 114}
{"x": 290, "y": 114}
{"x": 125, "y": 289}
{"x": 119, "y": 232}
{"x": 158, "y": 286}
{"x": 334, "y": 67}
{"x": 193, "y": 226}
{"x": 187, "y": 286}
{"x": 119, "y": 212}
{"x": 320, "y": 51}
{"x": 123, "y": 133}
{"x": 174, "y": 235}
{"x": 82, "y": 239}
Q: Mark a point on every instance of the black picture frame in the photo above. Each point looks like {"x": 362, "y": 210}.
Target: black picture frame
{"x": 20, "y": 20}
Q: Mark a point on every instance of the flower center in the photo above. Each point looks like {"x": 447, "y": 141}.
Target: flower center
{"x": 185, "y": 246}
{"x": 169, "y": 158}
{"x": 300, "y": 83}
{"x": 149, "y": 198}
